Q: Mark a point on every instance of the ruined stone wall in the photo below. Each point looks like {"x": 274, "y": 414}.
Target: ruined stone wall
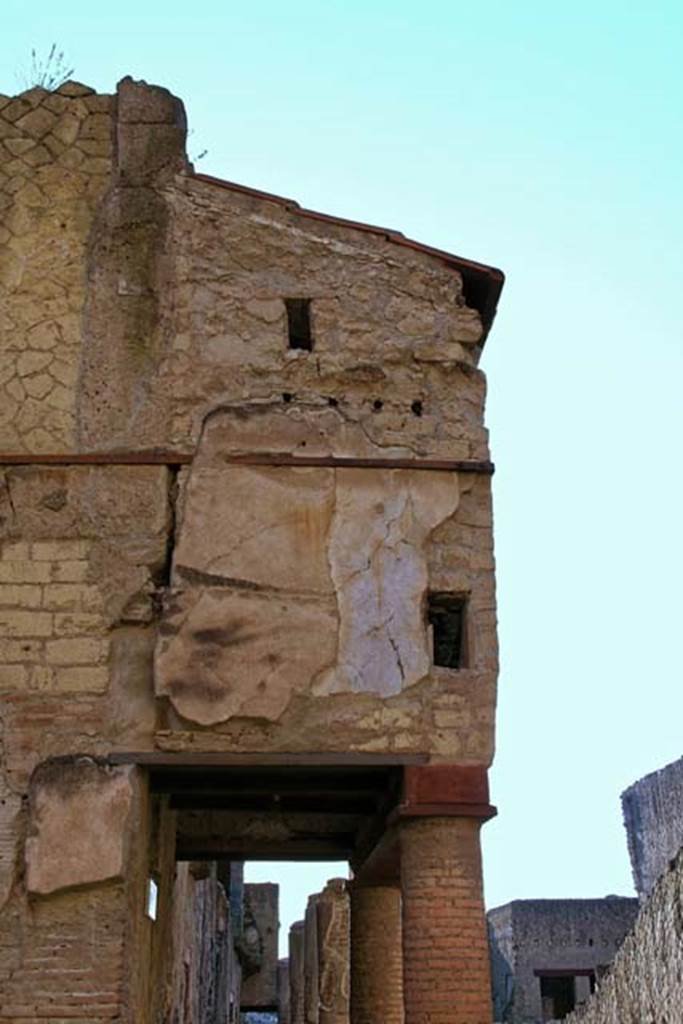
{"x": 319, "y": 960}
{"x": 82, "y": 552}
{"x": 653, "y": 817}
{"x": 205, "y": 983}
{"x": 178, "y": 339}
{"x": 74, "y": 894}
{"x": 645, "y": 984}
{"x": 261, "y": 915}
{"x": 55, "y": 165}
{"x": 172, "y": 601}
{"x": 527, "y": 936}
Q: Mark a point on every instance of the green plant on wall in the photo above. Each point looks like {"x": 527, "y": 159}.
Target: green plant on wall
{"x": 48, "y": 72}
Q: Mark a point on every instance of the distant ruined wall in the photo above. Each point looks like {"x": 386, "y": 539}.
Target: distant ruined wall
{"x": 319, "y": 960}
{"x": 645, "y": 984}
{"x": 205, "y": 982}
{"x": 261, "y": 927}
{"x": 526, "y": 936}
{"x": 653, "y": 817}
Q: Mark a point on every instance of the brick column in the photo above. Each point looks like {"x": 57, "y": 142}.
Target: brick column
{"x": 376, "y": 955}
{"x": 445, "y": 948}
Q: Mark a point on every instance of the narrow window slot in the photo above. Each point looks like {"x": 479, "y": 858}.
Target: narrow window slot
{"x": 446, "y": 618}
{"x": 299, "y": 324}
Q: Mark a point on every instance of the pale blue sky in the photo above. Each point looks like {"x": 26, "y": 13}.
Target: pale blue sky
{"x": 544, "y": 138}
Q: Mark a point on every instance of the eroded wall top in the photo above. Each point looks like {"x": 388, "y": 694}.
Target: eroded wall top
{"x": 138, "y": 296}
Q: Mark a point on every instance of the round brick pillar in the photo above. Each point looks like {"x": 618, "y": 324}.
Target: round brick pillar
{"x": 445, "y": 948}
{"x": 376, "y": 955}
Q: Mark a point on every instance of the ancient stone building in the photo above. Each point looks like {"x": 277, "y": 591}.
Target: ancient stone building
{"x": 546, "y": 955}
{"x": 246, "y": 575}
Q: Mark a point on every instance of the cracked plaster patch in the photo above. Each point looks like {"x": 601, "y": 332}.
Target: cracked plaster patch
{"x": 294, "y": 580}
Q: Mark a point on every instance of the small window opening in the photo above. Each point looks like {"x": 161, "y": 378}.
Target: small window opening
{"x": 446, "y": 618}
{"x": 377, "y": 404}
{"x": 287, "y": 396}
{"x": 299, "y": 323}
{"x": 333, "y": 402}
{"x": 417, "y": 407}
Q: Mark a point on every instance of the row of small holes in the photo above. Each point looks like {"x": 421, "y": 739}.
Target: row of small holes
{"x": 377, "y": 405}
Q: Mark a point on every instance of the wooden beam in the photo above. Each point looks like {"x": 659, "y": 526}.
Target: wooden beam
{"x": 219, "y": 759}
{"x": 230, "y": 848}
{"x": 162, "y": 457}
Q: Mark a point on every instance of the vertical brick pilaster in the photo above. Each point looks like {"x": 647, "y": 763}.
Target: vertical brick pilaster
{"x": 445, "y": 950}
{"x": 376, "y": 955}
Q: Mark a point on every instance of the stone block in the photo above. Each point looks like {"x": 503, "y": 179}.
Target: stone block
{"x": 79, "y": 814}
{"x": 81, "y": 679}
{"x": 75, "y": 89}
{"x": 25, "y": 624}
{"x": 139, "y": 103}
{"x": 37, "y": 122}
{"x": 20, "y": 596}
{"x": 76, "y": 651}
{"x": 13, "y": 677}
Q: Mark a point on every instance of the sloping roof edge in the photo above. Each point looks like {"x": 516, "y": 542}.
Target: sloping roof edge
{"x": 482, "y": 284}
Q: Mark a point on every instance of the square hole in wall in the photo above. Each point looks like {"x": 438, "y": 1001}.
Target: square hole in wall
{"x": 446, "y": 620}
{"x": 299, "y": 324}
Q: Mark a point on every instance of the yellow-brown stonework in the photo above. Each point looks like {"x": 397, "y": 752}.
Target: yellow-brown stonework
{"x": 157, "y": 594}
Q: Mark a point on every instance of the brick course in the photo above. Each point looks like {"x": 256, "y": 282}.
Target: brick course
{"x": 376, "y": 955}
{"x": 445, "y": 948}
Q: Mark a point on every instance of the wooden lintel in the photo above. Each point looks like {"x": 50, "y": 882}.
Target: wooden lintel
{"x": 275, "y": 459}
{"x": 250, "y": 849}
{"x": 354, "y": 462}
{"x": 220, "y": 759}
{"x": 155, "y": 457}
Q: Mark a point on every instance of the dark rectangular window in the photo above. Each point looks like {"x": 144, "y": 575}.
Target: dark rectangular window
{"x": 557, "y": 996}
{"x": 299, "y": 323}
{"x": 446, "y": 616}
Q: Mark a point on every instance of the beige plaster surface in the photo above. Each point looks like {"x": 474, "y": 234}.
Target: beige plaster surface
{"x": 77, "y": 827}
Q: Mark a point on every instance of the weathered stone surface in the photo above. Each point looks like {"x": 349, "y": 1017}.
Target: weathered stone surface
{"x": 528, "y": 936}
{"x": 261, "y": 909}
{"x": 645, "y": 982}
{"x": 77, "y": 826}
{"x": 311, "y": 963}
{"x": 289, "y": 580}
{"x": 653, "y": 816}
{"x": 296, "y": 973}
{"x": 381, "y": 524}
{"x": 10, "y": 817}
{"x": 144, "y": 315}
{"x": 333, "y": 952}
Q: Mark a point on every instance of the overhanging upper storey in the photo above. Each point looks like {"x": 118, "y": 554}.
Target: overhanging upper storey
{"x": 482, "y": 284}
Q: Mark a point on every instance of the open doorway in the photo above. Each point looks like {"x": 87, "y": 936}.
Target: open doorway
{"x": 246, "y": 841}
